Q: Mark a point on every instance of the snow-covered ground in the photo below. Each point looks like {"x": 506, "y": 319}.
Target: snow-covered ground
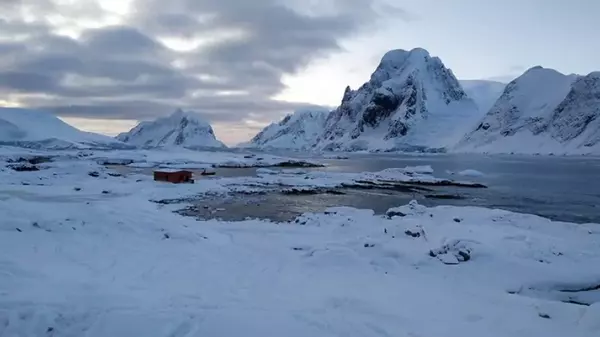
{"x": 84, "y": 252}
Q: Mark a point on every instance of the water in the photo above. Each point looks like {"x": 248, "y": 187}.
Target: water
{"x": 560, "y": 188}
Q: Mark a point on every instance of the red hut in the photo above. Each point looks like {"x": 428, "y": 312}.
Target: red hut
{"x": 173, "y": 176}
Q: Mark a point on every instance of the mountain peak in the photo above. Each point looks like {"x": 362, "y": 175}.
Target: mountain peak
{"x": 408, "y": 90}
{"x": 181, "y": 128}
{"x": 182, "y": 114}
{"x": 399, "y": 56}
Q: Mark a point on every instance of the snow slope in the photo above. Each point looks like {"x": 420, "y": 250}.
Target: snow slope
{"x": 92, "y": 256}
{"x": 542, "y": 111}
{"x": 484, "y": 92}
{"x": 576, "y": 120}
{"x": 185, "y": 129}
{"x": 296, "y": 131}
{"x": 36, "y": 129}
{"x": 412, "y": 100}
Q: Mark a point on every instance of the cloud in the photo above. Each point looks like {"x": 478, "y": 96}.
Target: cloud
{"x": 82, "y": 67}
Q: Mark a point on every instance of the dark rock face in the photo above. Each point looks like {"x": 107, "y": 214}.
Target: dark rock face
{"x": 24, "y": 167}
{"x": 579, "y": 112}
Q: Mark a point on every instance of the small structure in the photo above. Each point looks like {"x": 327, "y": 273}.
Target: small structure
{"x": 173, "y": 176}
{"x": 208, "y": 172}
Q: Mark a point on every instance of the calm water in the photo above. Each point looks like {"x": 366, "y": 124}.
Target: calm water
{"x": 559, "y": 188}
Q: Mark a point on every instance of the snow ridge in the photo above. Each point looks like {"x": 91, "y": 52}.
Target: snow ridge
{"x": 184, "y": 129}
{"x": 295, "y": 131}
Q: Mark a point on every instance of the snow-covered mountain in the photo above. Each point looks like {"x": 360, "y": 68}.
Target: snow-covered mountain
{"x": 484, "y": 92}
{"x": 542, "y": 111}
{"x": 299, "y": 130}
{"x": 576, "y": 120}
{"x": 37, "y": 129}
{"x": 185, "y": 129}
{"x": 411, "y": 101}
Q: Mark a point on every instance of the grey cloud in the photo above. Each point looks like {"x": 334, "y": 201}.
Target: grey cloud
{"x": 18, "y": 27}
{"x": 126, "y": 72}
{"x": 215, "y": 111}
{"x": 120, "y": 40}
{"x": 24, "y": 82}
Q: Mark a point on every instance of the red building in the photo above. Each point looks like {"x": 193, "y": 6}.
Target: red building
{"x": 173, "y": 176}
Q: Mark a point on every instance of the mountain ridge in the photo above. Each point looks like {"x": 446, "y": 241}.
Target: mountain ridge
{"x": 541, "y": 111}
{"x": 297, "y": 131}
{"x": 37, "y": 129}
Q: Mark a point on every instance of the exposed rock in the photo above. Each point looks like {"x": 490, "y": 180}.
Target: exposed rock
{"x": 24, "y": 167}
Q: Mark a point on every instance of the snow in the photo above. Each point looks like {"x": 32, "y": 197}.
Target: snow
{"x": 37, "y": 129}
{"x": 87, "y": 263}
{"x": 181, "y": 129}
{"x": 412, "y": 101}
{"x": 168, "y": 170}
{"x": 184, "y": 158}
{"x": 484, "y": 92}
{"x": 295, "y": 131}
{"x": 540, "y": 112}
{"x": 470, "y": 173}
{"x": 424, "y": 169}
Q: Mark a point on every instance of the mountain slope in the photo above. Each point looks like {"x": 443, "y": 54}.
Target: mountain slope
{"x": 576, "y": 120}
{"x": 542, "y": 111}
{"x": 484, "y": 92}
{"x": 411, "y": 101}
{"x": 36, "y": 129}
{"x": 185, "y": 129}
{"x": 299, "y": 130}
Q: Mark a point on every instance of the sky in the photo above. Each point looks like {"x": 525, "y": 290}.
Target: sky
{"x": 104, "y": 65}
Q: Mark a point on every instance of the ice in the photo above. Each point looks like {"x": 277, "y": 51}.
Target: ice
{"x": 87, "y": 263}
{"x": 470, "y": 173}
{"x": 266, "y": 171}
{"x": 424, "y": 169}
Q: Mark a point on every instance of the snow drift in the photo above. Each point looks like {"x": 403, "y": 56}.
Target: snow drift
{"x": 185, "y": 129}
{"x": 36, "y": 129}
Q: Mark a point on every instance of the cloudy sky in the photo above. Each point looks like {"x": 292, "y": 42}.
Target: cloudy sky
{"x": 104, "y": 64}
